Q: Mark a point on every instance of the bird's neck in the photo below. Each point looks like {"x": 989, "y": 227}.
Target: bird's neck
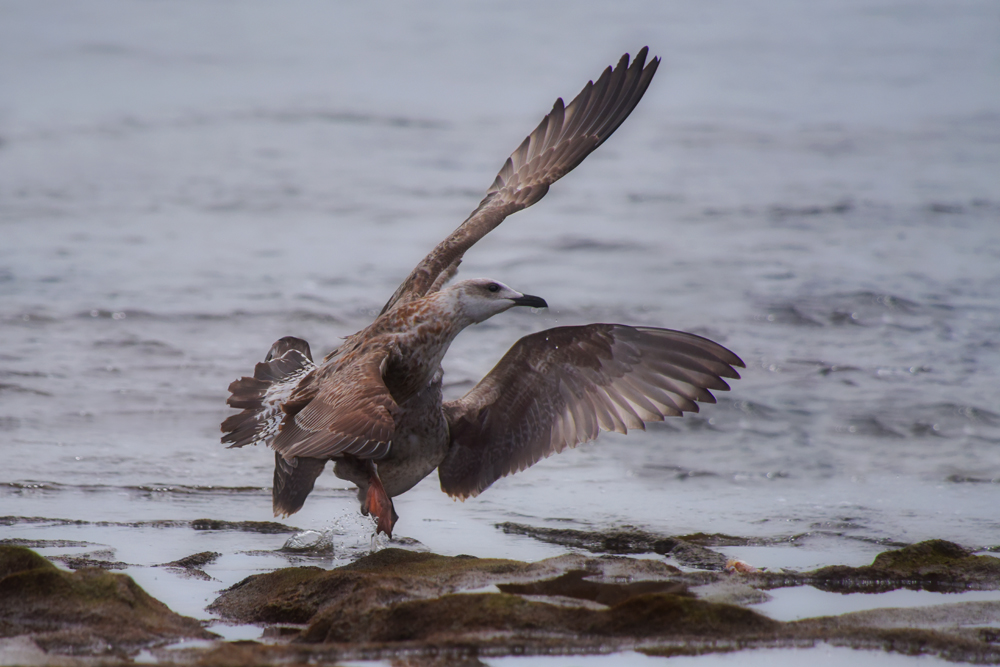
{"x": 421, "y": 333}
{"x": 440, "y": 313}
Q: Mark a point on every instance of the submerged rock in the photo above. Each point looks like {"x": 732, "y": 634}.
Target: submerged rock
{"x": 630, "y": 540}
{"x": 85, "y": 561}
{"x": 43, "y": 544}
{"x": 102, "y": 558}
{"x": 198, "y": 560}
{"x": 90, "y": 611}
{"x": 189, "y": 567}
{"x": 933, "y": 565}
{"x": 626, "y": 540}
{"x": 265, "y": 527}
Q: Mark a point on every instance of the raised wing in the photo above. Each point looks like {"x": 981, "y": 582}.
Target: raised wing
{"x": 351, "y": 413}
{"x": 558, "y": 388}
{"x": 561, "y": 141}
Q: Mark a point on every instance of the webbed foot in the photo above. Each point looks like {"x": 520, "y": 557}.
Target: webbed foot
{"x": 378, "y": 503}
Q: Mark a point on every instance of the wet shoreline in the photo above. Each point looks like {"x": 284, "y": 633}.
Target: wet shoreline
{"x": 589, "y": 602}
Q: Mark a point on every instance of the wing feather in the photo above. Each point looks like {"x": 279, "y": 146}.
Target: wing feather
{"x": 558, "y": 388}
{"x": 564, "y": 138}
{"x": 355, "y": 414}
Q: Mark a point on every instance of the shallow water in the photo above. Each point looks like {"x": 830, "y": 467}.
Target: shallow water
{"x": 817, "y": 188}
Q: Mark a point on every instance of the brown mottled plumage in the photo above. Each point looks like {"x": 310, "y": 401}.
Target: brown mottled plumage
{"x": 374, "y": 405}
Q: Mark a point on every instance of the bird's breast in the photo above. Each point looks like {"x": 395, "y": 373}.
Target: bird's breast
{"x": 415, "y": 359}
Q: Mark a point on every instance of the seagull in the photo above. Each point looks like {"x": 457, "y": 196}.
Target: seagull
{"x": 374, "y": 406}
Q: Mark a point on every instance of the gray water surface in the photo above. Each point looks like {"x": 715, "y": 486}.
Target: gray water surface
{"x": 814, "y": 185}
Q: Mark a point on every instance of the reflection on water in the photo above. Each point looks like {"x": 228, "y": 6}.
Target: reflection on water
{"x": 825, "y": 210}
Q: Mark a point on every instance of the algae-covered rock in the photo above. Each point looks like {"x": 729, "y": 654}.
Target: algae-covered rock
{"x": 296, "y": 594}
{"x": 390, "y": 576}
{"x": 454, "y": 618}
{"x": 87, "y": 611}
{"x": 576, "y": 584}
{"x": 399, "y": 596}
{"x": 426, "y": 606}
{"x": 937, "y": 559}
{"x": 450, "y": 617}
{"x": 934, "y": 565}
{"x": 19, "y": 559}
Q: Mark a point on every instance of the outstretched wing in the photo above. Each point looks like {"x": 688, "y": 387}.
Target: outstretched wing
{"x": 353, "y": 414}
{"x": 561, "y": 141}
{"x": 558, "y": 388}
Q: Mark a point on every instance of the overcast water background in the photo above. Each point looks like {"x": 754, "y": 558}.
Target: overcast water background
{"x": 814, "y": 185}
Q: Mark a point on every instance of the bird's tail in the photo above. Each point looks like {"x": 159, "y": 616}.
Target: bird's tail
{"x": 263, "y": 395}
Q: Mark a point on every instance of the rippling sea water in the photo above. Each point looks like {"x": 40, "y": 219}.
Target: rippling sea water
{"x": 815, "y": 186}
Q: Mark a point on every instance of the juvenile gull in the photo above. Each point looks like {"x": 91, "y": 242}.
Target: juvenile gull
{"x": 374, "y": 405}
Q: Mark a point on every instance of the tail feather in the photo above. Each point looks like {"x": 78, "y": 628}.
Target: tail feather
{"x": 247, "y": 392}
{"x": 263, "y": 395}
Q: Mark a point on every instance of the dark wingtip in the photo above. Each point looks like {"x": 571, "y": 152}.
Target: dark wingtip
{"x": 640, "y": 57}
{"x": 293, "y": 482}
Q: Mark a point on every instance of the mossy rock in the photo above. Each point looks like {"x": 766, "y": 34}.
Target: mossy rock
{"x": 87, "y": 611}
{"x": 20, "y": 559}
{"x": 297, "y": 594}
{"x": 396, "y": 602}
{"x": 936, "y": 558}
{"x": 934, "y": 565}
{"x": 456, "y": 618}
{"x": 397, "y": 596}
{"x": 416, "y": 564}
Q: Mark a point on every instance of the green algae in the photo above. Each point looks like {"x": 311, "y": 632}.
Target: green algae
{"x": 15, "y": 559}
{"x": 421, "y": 564}
{"x": 463, "y": 617}
{"x": 87, "y": 611}
{"x": 933, "y": 565}
{"x": 575, "y": 584}
{"x": 401, "y": 603}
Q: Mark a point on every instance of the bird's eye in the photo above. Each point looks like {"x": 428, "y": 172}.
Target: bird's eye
{"x": 493, "y": 287}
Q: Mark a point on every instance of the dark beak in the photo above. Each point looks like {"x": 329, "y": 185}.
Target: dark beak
{"x": 530, "y": 301}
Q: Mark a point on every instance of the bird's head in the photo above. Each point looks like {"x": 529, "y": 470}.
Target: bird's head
{"x": 481, "y": 298}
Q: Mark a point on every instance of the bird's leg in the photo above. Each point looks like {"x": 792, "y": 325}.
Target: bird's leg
{"x": 378, "y": 503}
